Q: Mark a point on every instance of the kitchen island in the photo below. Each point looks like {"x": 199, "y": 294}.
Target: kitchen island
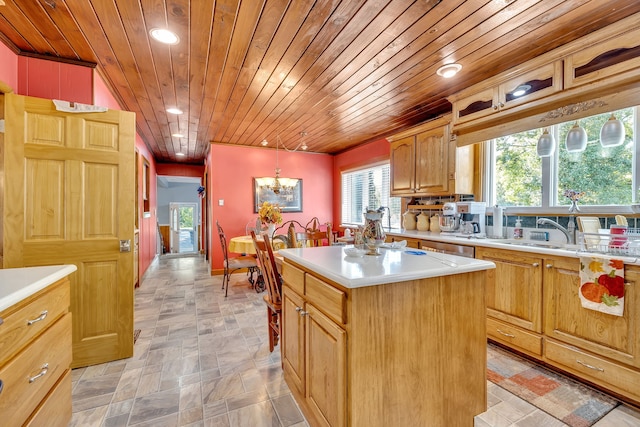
{"x": 394, "y": 339}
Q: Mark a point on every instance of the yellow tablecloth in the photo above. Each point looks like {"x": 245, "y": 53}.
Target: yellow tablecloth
{"x": 242, "y": 245}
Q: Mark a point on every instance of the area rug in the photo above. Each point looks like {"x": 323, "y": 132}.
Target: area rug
{"x": 136, "y": 334}
{"x": 561, "y": 397}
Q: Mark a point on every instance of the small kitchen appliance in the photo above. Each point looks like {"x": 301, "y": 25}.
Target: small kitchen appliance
{"x": 466, "y": 218}
{"x": 450, "y": 219}
{"x": 472, "y": 217}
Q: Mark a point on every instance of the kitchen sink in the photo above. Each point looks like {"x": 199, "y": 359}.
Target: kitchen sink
{"x": 544, "y": 245}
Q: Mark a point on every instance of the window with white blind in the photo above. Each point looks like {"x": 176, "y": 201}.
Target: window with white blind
{"x": 368, "y": 188}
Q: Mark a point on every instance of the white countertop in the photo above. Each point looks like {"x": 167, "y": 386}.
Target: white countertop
{"x": 557, "y": 248}
{"x": 17, "y": 284}
{"x": 393, "y": 265}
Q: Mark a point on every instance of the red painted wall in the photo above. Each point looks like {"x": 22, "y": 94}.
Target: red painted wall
{"x": 8, "y": 67}
{"x": 55, "y": 80}
{"x": 231, "y": 170}
{"x": 356, "y": 158}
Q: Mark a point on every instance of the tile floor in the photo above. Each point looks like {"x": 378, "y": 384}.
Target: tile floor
{"x": 203, "y": 360}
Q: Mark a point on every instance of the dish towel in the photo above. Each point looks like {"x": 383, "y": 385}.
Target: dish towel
{"x": 602, "y": 284}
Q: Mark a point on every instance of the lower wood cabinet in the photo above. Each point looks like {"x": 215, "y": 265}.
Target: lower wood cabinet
{"x": 35, "y": 355}
{"x": 514, "y": 299}
{"x": 314, "y": 347}
{"x": 600, "y": 348}
{"x": 396, "y": 354}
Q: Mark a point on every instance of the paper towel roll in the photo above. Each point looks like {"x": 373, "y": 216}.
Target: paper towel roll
{"x": 498, "y": 215}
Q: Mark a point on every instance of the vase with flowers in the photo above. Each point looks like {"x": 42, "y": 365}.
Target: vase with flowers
{"x": 574, "y": 196}
{"x": 270, "y": 215}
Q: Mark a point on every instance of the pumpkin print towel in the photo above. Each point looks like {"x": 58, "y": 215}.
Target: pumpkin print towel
{"x": 602, "y": 284}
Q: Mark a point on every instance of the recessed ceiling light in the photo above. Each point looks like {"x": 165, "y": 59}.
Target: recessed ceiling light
{"x": 164, "y": 36}
{"x": 174, "y": 110}
{"x": 449, "y": 70}
{"x": 177, "y": 135}
{"x": 180, "y": 154}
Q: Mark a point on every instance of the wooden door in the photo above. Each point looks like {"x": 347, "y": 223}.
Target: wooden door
{"x": 432, "y": 162}
{"x": 69, "y": 199}
{"x": 292, "y": 338}
{"x": 403, "y": 166}
{"x": 514, "y": 288}
{"x": 326, "y": 368}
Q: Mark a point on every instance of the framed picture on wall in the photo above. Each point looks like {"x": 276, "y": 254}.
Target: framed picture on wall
{"x": 288, "y": 195}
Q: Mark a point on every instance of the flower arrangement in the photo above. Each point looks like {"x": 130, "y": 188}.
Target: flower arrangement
{"x": 270, "y": 213}
{"x": 573, "y": 195}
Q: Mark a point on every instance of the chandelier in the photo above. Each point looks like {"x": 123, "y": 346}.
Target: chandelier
{"x": 281, "y": 185}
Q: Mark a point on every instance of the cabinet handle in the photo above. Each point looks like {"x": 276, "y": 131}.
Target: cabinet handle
{"x": 505, "y": 334}
{"x": 535, "y": 264}
{"x": 42, "y": 316}
{"x": 1, "y": 321}
{"x": 495, "y": 107}
{"x": 1, "y": 386}
{"x": 501, "y": 104}
{"x": 304, "y": 313}
{"x": 586, "y": 365}
{"x": 43, "y": 372}
{"x": 549, "y": 265}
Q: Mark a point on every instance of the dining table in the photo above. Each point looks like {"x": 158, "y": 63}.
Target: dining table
{"x": 244, "y": 245}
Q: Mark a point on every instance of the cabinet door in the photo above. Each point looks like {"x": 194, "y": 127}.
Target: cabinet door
{"x": 292, "y": 337}
{"x": 615, "y": 337}
{"x": 326, "y": 368}
{"x": 606, "y": 59}
{"x": 543, "y": 81}
{"x": 479, "y": 104}
{"x": 402, "y": 159}
{"x": 514, "y": 288}
{"x": 432, "y": 162}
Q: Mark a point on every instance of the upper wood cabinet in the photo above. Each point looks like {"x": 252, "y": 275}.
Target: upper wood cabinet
{"x": 425, "y": 161}
{"x": 542, "y": 81}
{"x": 606, "y": 59}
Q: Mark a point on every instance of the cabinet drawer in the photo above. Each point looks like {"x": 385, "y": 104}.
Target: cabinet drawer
{"x": 55, "y": 411}
{"x": 610, "y": 375}
{"x": 16, "y": 332}
{"x": 328, "y": 299}
{"x": 19, "y": 396}
{"x": 514, "y": 337}
{"x": 294, "y": 277}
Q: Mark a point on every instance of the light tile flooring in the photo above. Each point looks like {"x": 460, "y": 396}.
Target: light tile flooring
{"x": 203, "y": 360}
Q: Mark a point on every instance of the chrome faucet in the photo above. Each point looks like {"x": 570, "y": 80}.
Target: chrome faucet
{"x": 566, "y": 232}
{"x": 382, "y": 208}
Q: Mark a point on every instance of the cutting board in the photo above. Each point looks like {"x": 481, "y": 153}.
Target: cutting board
{"x": 591, "y": 226}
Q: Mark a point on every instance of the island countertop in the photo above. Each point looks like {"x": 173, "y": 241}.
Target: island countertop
{"x": 17, "y": 284}
{"x": 393, "y": 265}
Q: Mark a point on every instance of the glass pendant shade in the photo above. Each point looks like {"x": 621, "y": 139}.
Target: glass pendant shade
{"x": 576, "y": 139}
{"x": 612, "y": 133}
{"x": 546, "y": 144}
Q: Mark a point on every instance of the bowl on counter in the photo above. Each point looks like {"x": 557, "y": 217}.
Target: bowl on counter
{"x": 355, "y": 252}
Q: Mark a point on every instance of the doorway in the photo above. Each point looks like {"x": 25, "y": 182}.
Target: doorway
{"x": 183, "y": 227}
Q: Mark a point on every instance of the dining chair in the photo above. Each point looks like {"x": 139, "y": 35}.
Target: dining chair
{"x": 273, "y": 282}
{"x": 236, "y": 263}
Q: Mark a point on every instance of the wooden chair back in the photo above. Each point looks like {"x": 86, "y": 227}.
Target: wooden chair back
{"x": 223, "y": 243}
{"x": 270, "y": 274}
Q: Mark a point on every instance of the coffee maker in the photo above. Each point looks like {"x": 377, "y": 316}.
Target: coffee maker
{"x": 472, "y": 217}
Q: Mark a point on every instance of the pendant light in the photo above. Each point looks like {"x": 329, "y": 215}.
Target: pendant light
{"x": 576, "y": 139}
{"x": 612, "y": 133}
{"x": 546, "y": 144}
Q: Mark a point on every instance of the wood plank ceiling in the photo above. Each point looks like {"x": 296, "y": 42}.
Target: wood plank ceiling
{"x": 341, "y": 73}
